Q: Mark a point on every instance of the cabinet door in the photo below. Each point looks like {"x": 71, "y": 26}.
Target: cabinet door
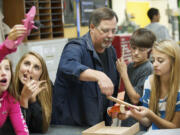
{"x": 57, "y": 22}
{"x": 48, "y": 17}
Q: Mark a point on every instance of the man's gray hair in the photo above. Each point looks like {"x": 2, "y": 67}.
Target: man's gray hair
{"x": 102, "y": 14}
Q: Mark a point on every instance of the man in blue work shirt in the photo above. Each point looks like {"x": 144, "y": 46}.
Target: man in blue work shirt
{"x": 87, "y": 74}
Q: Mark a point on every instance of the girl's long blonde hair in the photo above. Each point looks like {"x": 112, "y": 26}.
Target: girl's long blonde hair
{"x": 45, "y": 96}
{"x": 171, "y": 49}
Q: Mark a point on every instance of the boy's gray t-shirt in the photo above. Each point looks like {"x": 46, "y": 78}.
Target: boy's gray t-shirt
{"x": 137, "y": 76}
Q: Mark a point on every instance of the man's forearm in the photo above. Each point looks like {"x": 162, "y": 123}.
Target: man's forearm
{"x": 89, "y": 75}
{"x": 104, "y": 82}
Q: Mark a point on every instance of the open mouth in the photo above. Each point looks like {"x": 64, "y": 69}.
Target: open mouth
{"x": 3, "y": 80}
{"x": 27, "y": 77}
{"x": 108, "y": 41}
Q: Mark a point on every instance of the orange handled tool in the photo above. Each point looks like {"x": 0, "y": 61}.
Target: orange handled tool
{"x": 122, "y": 102}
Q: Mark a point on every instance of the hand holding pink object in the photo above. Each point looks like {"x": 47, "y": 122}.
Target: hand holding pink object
{"x": 16, "y": 32}
{"x": 28, "y": 24}
{"x": 19, "y": 32}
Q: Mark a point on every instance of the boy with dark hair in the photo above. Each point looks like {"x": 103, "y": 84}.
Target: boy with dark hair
{"x": 138, "y": 70}
{"x": 159, "y": 30}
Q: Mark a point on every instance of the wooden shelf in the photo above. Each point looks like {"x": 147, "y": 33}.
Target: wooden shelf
{"x": 48, "y": 17}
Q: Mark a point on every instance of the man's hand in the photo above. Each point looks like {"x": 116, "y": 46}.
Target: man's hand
{"x": 105, "y": 84}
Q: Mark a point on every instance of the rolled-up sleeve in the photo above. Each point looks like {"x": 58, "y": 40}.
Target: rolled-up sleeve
{"x": 71, "y": 60}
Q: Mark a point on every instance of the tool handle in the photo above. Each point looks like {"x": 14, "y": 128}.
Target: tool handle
{"x": 122, "y": 102}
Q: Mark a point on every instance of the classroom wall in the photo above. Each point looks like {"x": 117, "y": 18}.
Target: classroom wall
{"x": 119, "y": 7}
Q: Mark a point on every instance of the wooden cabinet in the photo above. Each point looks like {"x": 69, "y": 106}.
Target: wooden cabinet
{"x": 48, "y": 19}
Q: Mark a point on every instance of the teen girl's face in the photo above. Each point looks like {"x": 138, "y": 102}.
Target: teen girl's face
{"x": 5, "y": 75}
{"x": 30, "y": 68}
{"x": 161, "y": 63}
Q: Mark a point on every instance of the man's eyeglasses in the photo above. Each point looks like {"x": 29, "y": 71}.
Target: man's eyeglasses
{"x": 106, "y": 31}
